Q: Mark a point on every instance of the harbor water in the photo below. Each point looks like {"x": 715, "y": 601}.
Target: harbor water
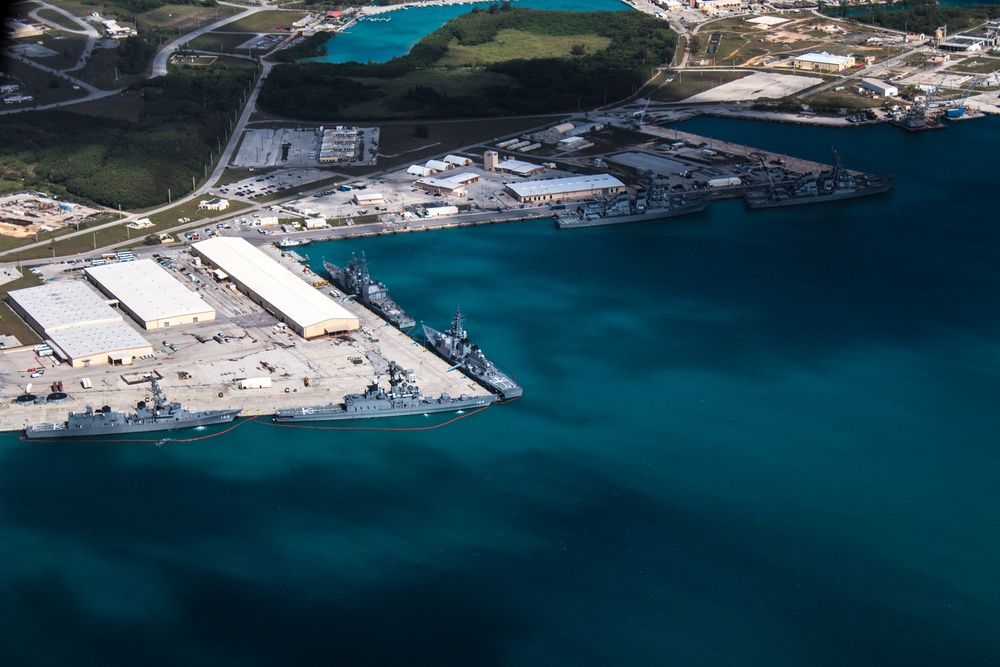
{"x": 379, "y": 41}
{"x": 747, "y": 437}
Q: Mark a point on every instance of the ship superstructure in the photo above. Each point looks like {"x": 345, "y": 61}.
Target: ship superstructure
{"x": 453, "y": 346}
{"x": 353, "y": 279}
{"x": 654, "y": 203}
{"x": 161, "y": 415}
{"x": 400, "y": 399}
{"x": 815, "y": 187}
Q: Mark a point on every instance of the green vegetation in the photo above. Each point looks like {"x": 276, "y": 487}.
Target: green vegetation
{"x": 265, "y": 21}
{"x": 311, "y": 47}
{"x": 926, "y": 16}
{"x": 463, "y": 69}
{"x": 138, "y": 6}
{"x": 113, "y": 162}
{"x": 511, "y": 44}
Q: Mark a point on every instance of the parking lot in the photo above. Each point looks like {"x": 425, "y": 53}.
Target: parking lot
{"x": 297, "y": 147}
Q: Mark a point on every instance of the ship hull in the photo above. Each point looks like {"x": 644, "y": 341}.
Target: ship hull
{"x": 61, "y": 430}
{"x": 817, "y": 199}
{"x": 498, "y": 383}
{"x": 397, "y": 317}
{"x": 339, "y": 413}
{"x": 650, "y": 215}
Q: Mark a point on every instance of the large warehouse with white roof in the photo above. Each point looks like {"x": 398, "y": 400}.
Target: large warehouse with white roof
{"x": 150, "y": 295}
{"x": 571, "y": 187}
{"x": 304, "y": 309}
{"x": 82, "y": 328}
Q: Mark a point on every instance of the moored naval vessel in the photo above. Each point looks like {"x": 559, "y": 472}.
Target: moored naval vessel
{"x": 454, "y": 347}
{"x": 824, "y": 186}
{"x": 401, "y": 399}
{"x": 655, "y": 204}
{"x": 160, "y": 416}
{"x": 353, "y": 279}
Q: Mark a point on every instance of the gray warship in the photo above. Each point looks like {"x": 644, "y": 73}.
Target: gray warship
{"x": 372, "y": 294}
{"x": 654, "y": 203}
{"x": 813, "y": 188}
{"x": 454, "y": 347}
{"x": 401, "y": 399}
{"x": 160, "y": 416}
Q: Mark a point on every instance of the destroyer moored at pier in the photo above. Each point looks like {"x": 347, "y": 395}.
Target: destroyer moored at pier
{"x": 161, "y": 416}
{"x": 824, "y": 186}
{"x": 454, "y": 347}
{"x": 401, "y": 399}
{"x": 353, "y": 279}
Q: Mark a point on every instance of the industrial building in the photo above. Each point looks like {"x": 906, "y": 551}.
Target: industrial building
{"x": 823, "y": 62}
{"x": 458, "y": 160}
{"x": 518, "y": 168}
{"x": 77, "y": 323}
{"x": 150, "y": 295}
{"x": 717, "y": 6}
{"x": 571, "y": 187}
{"x": 19, "y": 30}
{"x": 453, "y": 185}
{"x": 368, "y": 198}
{"x": 216, "y": 204}
{"x": 307, "y": 311}
{"x": 880, "y": 88}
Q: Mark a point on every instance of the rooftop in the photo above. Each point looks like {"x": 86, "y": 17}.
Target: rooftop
{"x": 569, "y": 184}
{"x": 148, "y": 290}
{"x": 823, "y": 58}
{"x": 298, "y": 301}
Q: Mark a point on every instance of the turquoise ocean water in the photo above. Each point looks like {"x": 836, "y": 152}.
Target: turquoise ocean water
{"x": 379, "y": 41}
{"x": 764, "y": 438}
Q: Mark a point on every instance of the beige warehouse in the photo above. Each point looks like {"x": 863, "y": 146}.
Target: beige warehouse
{"x": 307, "y": 311}
{"x": 150, "y": 295}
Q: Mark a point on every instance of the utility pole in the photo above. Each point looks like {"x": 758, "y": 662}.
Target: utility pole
{"x": 169, "y": 200}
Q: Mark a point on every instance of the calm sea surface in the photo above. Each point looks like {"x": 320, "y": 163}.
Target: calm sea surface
{"x": 764, "y": 438}
{"x": 379, "y": 41}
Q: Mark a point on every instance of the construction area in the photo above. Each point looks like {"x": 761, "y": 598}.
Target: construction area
{"x": 25, "y": 214}
{"x": 307, "y": 147}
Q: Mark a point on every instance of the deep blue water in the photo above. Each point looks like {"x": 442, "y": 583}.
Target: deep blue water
{"x": 377, "y": 41}
{"x": 764, "y": 438}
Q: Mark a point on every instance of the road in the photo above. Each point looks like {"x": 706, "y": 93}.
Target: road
{"x": 162, "y": 57}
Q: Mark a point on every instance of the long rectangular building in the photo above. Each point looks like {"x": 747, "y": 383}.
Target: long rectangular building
{"x": 83, "y": 328}
{"x": 150, "y": 295}
{"x": 304, "y": 309}
{"x": 571, "y": 187}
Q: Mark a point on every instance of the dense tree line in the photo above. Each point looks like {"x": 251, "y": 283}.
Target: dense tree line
{"x": 117, "y": 162}
{"x": 310, "y": 47}
{"x": 925, "y": 17}
{"x": 638, "y": 42}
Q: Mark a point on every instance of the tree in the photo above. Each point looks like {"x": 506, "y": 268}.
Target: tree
{"x": 578, "y": 49}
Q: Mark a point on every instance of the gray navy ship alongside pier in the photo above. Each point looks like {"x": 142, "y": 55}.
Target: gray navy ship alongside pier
{"x": 454, "y": 347}
{"x": 813, "y": 188}
{"x": 353, "y": 279}
{"x": 160, "y": 416}
{"x": 401, "y": 399}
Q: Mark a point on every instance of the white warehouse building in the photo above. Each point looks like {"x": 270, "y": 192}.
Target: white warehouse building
{"x": 880, "y": 88}
{"x": 81, "y": 327}
{"x": 572, "y": 187}
{"x": 150, "y": 295}
{"x": 306, "y": 310}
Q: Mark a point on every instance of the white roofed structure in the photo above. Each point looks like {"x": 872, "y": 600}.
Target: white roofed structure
{"x": 572, "y": 187}
{"x": 439, "y": 165}
{"x": 458, "y": 160}
{"x": 519, "y": 167}
{"x": 150, "y": 295}
{"x": 419, "y": 170}
{"x": 303, "y": 308}
{"x": 80, "y": 323}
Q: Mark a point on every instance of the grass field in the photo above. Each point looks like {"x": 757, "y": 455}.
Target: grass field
{"x": 687, "y": 84}
{"x": 56, "y": 19}
{"x": 68, "y": 48}
{"x": 843, "y": 98}
{"x": 265, "y": 21}
{"x": 37, "y": 82}
{"x": 977, "y": 65}
{"x": 221, "y": 42}
{"x": 510, "y": 44}
{"x": 186, "y": 17}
